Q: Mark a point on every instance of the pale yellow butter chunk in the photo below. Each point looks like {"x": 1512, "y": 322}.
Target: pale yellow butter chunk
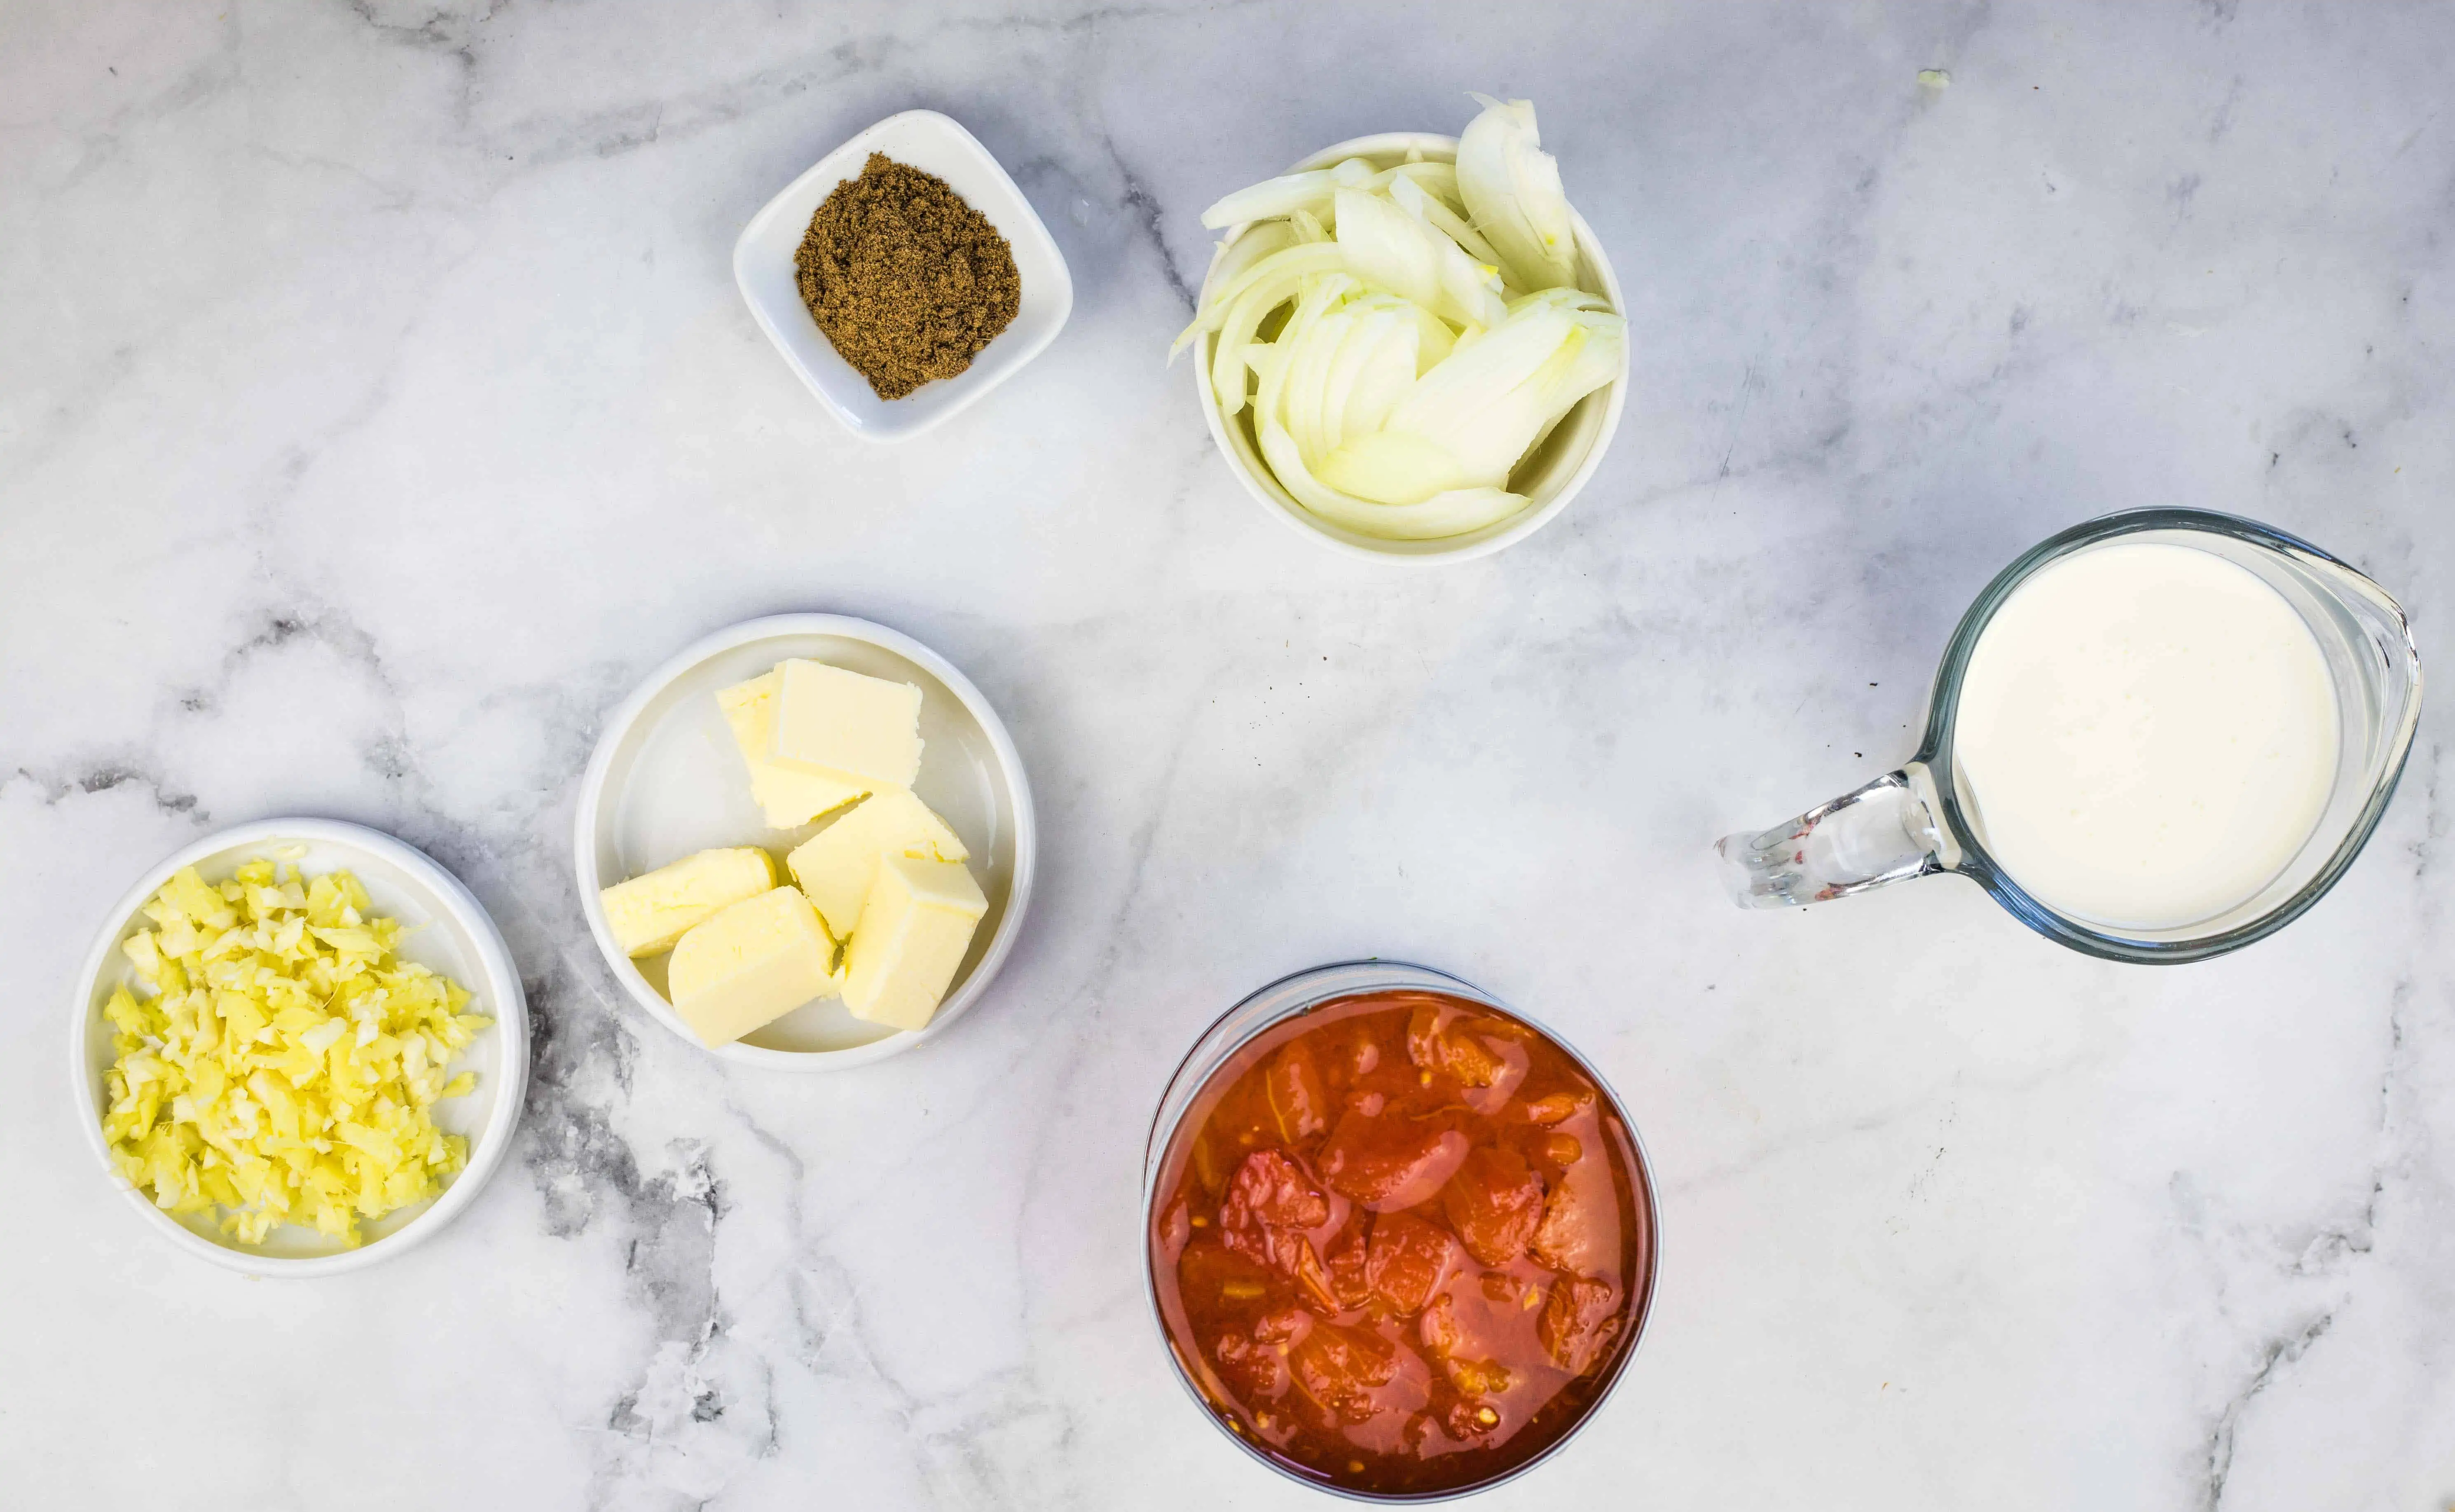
{"x": 829, "y": 720}
{"x": 914, "y": 931}
{"x": 750, "y": 965}
{"x": 788, "y": 797}
{"x": 649, "y": 912}
{"x": 837, "y": 866}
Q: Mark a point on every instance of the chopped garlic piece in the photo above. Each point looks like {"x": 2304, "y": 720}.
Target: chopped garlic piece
{"x": 284, "y": 1065}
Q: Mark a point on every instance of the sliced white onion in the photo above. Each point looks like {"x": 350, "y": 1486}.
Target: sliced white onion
{"x": 1316, "y": 299}
{"x": 1512, "y": 188}
{"x": 1255, "y": 244}
{"x": 1408, "y": 196}
{"x": 1311, "y": 352}
{"x": 1270, "y": 280}
{"x": 1502, "y": 389}
{"x": 1286, "y": 195}
{"x": 1391, "y": 250}
{"x": 1394, "y": 467}
{"x": 1443, "y": 514}
{"x": 1434, "y": 341}
{"x": 1374, "y": 369}
{"x": 1437, "y": 179}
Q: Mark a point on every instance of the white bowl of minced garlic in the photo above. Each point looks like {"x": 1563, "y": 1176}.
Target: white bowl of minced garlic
{"x": 299, "y": 1047}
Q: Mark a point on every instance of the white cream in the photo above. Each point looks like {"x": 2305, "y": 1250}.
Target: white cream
{"x": 2149, "y": 733}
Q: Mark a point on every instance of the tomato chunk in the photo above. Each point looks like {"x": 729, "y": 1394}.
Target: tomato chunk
{"x": 1348, "y": 1266}
{"x": 1554, "y": 1106}
{"x": 1281, "y": 1325}
{"x": 1476, "y": 1051}
{"x": 1494, "y": 1202}
{"x": 1175, "y": 1227}
{"x": 1577, "y": 1321}
{"x": 1391, "y": 1162}
{"x": 1476, "y": 1378}
{"x": 1579, "y": 1233}
{"x": 1466, "y": 1419}
{"x": 1270, "y": 1201}
{"x": 1338, "y": 1367}
{"x": 1299, "y": 1101}
{"x": 1424, "y": 1038}
{"x": 1252, "y": 1370}
{"x": 1409, "y": 1257}
{"x": 1459, "y": 1352}
{"x": 1439, "y": 1327}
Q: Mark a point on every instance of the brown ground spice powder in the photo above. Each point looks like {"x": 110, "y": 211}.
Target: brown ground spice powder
{"x": 906, "y": 279}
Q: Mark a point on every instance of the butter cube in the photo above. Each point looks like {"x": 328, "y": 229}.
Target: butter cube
{"x": 914, "y": 930}
{"x": 837, "y": 866}
{"x": 648, "y": 913}
{"x": 750, "y": 965}
{"x": 789, "y": 797}
{"x": 828, "y": 720}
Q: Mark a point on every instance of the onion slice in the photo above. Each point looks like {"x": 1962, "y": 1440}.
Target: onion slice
{"x": 1286, "y": 195}
{"x": 1391, "y": 250}
{"x": 1412, "y": 199}
{"x": 1443, "y": 514}
{"x": 1512, "y": 188}
{"x": 1502, "y": 390}
{"x": 1283, "y": 269}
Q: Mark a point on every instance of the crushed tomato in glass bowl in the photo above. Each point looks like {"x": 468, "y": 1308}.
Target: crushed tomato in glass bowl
{"x": 1401, "y": 1240}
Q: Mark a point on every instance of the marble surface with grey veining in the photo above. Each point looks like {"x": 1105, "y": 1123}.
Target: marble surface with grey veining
{"x": 376, "y": 408}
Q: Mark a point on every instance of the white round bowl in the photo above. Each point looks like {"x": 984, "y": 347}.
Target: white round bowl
{"x": 444, "y": 928}
{"x": 1549, "y": 478}
{"x": 667, "y": 781}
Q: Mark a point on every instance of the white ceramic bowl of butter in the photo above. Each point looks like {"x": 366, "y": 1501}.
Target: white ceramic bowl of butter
{"x": 667, "y": 781}
{"x": 1554, "y": 474}
{"x": 446, "y": 929}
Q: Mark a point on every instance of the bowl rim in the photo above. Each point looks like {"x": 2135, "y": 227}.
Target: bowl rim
{"x": 1030, "y": 223}
{"x": 502, "y": 983}
{"x": 591, "y": 802}
{"x": 1340, "y": 979}
{"x": 1436, "y": 147}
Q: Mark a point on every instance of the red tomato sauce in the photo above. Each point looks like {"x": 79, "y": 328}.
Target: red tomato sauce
{"x": 1403, "y": 1243}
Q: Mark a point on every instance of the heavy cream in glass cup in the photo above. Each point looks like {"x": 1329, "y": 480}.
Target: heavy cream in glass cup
{"x": 2156, "y": 737}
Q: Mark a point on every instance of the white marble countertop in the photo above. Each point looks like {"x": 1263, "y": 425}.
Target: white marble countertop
{"x": 376, "y": 408}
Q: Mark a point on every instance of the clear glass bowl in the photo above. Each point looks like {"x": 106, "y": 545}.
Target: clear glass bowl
{"x": 1217, "y": 1053}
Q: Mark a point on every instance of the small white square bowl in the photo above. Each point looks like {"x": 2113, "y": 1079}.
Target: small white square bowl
{"x": 762, "y": 265}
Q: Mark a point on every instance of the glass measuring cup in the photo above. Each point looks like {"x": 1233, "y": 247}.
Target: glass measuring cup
{"x": 1920, "y": 819}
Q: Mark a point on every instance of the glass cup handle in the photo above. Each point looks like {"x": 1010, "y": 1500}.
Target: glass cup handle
{"x": 1884, "y": 832}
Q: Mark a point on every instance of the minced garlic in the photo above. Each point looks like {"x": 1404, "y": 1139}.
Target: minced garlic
{"x": 284, "y": 1067}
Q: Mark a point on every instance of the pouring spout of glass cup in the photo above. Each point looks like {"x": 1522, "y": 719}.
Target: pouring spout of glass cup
{"x": 1883, "y": 833}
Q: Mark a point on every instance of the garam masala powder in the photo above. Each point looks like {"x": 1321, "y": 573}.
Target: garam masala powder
{"x": 905, "y": 278}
